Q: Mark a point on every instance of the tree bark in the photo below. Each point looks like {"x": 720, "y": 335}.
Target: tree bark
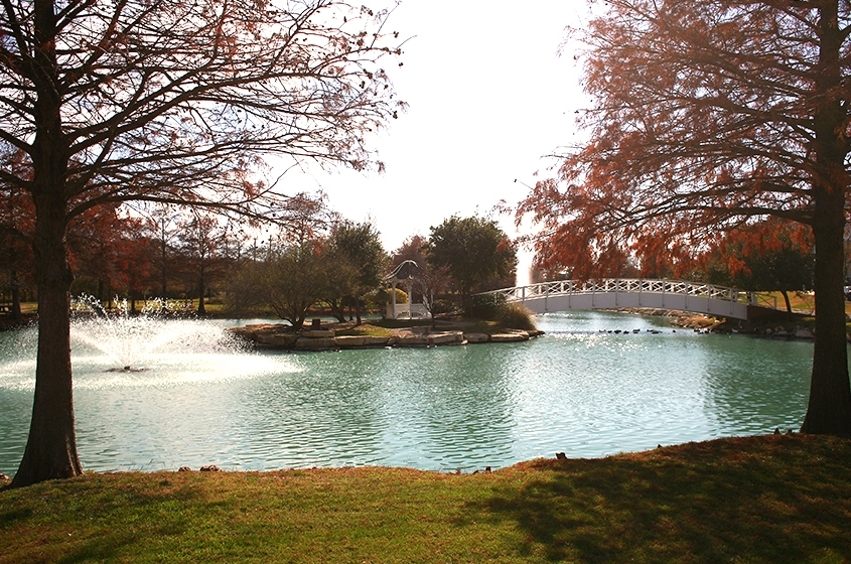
{"x": 829, "y": 408}
{"x": 51, "y": 450}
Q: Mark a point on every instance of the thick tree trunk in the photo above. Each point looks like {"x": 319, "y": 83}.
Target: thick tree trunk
{"x": 51, "y": 450}
{"x": 829, "y": 408}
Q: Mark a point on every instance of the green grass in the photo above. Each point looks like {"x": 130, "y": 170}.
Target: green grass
{"x": 368, "y": 329}
{"x": 801, "y": 301}
{"x": 763, "y": 499}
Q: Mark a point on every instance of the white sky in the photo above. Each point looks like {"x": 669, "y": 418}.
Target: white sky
{"x": 489, "y": 96}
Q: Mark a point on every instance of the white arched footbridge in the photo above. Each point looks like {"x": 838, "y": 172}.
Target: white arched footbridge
{"x": 567, "y": 295}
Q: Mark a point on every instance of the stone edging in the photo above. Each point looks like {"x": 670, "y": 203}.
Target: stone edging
{"x": 279, "y": 336}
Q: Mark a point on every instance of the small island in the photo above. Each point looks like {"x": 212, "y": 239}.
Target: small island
{"x": 335, "y": 336}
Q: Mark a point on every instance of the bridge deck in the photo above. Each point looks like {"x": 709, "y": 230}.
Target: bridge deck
{"x": 567, "y": 295}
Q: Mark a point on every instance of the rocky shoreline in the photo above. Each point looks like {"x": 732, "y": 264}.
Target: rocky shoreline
{"x": 282, "y": 336}
{"x": 794, "y": 329}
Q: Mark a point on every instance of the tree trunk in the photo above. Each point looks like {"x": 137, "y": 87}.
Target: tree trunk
{"x": 337, "y": 309}
{"x": 788, "y": 302}
{"x": 829, "y": 408}
{"x": 51, "y": 450}
{"x": 17, "y": 315}
{"x": 466, "y": 298}
{"x": 163, "y": 249}
{"x": 201, "y": 289}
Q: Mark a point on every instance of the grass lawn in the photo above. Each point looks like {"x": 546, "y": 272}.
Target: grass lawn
{"x": 762, "y": 499}
{"x": 803, "y": 302}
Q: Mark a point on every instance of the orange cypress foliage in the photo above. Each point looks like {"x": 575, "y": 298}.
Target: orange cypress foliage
{"x": 709, "y": 117}
{"x": 735, "y": 247}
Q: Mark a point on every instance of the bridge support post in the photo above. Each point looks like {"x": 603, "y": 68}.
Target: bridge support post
{"x": 547, "y": 300}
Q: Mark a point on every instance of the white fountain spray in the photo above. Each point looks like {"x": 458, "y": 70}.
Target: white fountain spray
{"x": 132, "y": 339}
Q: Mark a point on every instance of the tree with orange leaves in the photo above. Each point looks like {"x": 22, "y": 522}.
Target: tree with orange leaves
{"x": 772, "y": 256}
{"x": 413, "y": 248}
{"x": 17, "y": 222}
{"x": 709, "y": 116}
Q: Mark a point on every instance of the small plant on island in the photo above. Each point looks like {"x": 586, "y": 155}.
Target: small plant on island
{"x": 515, "y": 316}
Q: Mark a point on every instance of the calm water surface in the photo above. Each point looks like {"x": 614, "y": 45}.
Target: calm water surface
{"x": 578, "y": 389}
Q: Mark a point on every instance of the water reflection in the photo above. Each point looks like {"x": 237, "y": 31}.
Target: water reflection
{"x": 456, "y": 403}
{"x": 582, "y": 389}
{"x": 329, "y": 409}
{"x": 754, "y": 383}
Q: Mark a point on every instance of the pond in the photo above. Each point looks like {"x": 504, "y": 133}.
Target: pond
{"x": 581, "y": 389}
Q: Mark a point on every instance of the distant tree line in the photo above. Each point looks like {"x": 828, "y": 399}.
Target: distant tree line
{"x": 311, "y": 257}
{"x": 164, "y": 253}
{"x": 338, "y": 264}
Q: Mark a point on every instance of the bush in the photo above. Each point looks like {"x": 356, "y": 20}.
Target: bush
{"x": 485, "y": 306}
{"x": 493, "y": 307}
{"x": 516, "y": 316}
{"x": 443, "y": 306}
{"x": 377, "y": 300}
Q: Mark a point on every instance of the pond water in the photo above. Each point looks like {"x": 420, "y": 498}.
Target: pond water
{"x": 579, "y": 389}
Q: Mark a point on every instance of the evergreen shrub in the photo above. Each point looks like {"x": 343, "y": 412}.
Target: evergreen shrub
{"x": 484, "y": 306}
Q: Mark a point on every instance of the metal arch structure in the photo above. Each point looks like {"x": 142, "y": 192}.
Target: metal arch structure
{"x": 567, "y": 295}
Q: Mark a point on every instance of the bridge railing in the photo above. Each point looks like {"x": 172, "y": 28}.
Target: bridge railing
{"x": 764, "y": 299}
{"x": 636, "y": 285}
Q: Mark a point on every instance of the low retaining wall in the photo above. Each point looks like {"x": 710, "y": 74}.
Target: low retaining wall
{"x": 278, "y": 336}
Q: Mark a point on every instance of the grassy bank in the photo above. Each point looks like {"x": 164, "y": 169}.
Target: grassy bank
{"x": 765, "y": 499}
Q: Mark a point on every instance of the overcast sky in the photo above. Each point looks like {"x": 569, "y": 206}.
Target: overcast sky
{"x": 489, "y": 96}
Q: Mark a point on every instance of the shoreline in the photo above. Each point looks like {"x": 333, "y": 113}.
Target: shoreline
{"x": 279, "y": 336}
{"x": 798, "y": 328}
